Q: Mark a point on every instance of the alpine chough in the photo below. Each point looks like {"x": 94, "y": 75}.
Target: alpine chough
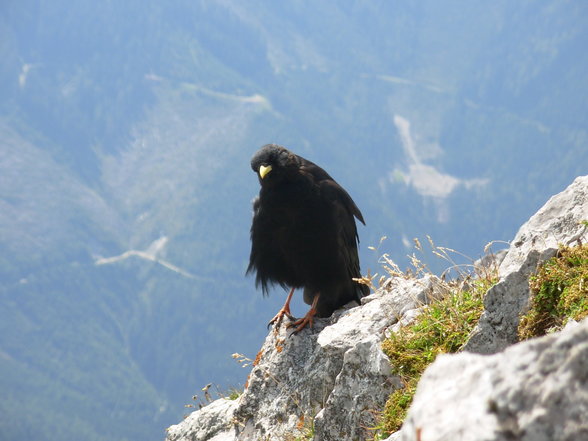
{"x": 303, "y": 234}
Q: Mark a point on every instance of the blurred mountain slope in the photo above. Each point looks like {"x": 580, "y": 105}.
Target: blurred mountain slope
{"x": 125, "y": 188}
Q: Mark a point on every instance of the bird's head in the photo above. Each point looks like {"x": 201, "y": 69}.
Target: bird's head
{"x": 273, "y": 162}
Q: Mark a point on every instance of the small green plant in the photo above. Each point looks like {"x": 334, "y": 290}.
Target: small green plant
{"x": 305, "y": 428}
{"x": 559, "y": 292}
{"x": 231, "y": 394}
{"x": 234, "y": 393}
{"x": 442, "y": 327}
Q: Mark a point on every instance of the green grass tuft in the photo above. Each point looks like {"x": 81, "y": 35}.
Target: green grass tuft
{"x": 443, "y": 327}
{"x": 559, "y": 292}
{"x": 234, "y": 393}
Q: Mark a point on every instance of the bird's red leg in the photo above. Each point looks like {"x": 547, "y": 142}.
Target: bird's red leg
{"x": 282, "y": 312}
{"x": 308, "y": 318}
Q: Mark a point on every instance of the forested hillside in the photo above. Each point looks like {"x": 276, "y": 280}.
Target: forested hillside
{"x": 126, "y": 130}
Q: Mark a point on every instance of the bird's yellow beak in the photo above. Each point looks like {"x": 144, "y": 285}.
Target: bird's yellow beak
{"x": 263, "y": 170}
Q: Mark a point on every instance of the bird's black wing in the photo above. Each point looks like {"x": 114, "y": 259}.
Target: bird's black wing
{"x": 343, "y": 210}
{"x": 254, "y": 243}
{"x": 331, "y": 189}
{"x": 266, "y": 258}
{"x": 261, "y": 277}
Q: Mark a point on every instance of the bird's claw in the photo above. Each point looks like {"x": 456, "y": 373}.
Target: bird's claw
{"x": 301, "y": 324}
{"x": 279, "y": 316}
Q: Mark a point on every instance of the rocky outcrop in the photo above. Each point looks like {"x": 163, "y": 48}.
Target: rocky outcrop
{"x": 328, "y": 383}
{"x": 533, "y": 391}
{"x": 334, "y": 378}
{"x": 558, "y": 222}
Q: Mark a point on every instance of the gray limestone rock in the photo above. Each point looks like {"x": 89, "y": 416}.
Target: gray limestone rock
{"x": 557, "y": 222}
{"x": 213, "y": 422}
{"x": 334, "y": 378}
{"x": 533, "y": 391}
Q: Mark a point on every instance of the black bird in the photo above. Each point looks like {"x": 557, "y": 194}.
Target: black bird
{"x": 303, "y": 234}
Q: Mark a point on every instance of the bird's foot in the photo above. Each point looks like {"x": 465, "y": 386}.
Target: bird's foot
{"x": 308, "y": 319}
{"x": 300, "y": 324}
{"x": 279, "y": 316}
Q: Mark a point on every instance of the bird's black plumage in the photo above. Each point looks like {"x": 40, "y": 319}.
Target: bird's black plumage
{"x": 303, "y": 233}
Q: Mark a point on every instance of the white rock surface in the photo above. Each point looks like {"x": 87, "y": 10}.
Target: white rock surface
{"x": 212, "y": 422}
{"x": 557, "y": 222}
{"x": 335, "y": 376}
{"x": 533, "y": 391}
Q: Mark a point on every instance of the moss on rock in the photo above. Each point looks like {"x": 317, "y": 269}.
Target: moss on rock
{"x": 559, "y": 292}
